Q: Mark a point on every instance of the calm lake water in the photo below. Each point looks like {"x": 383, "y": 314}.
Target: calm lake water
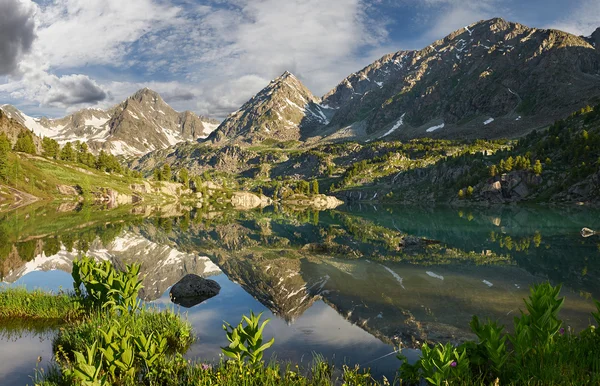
{"x": 350, "y": 284}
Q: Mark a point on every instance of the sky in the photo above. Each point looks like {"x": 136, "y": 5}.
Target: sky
{"x": 58, "y": 56}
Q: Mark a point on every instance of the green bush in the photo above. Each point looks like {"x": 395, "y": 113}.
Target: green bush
{"x": 106, "y": 287}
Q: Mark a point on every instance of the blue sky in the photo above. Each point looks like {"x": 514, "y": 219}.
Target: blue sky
{"x": 57, "y": 56}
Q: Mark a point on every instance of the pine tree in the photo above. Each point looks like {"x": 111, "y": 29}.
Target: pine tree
{"x": 157, "y": 175}
{"x": 537, "y": 168}
{"x": 166, "y": 173}
{"x": 493, "y": 171}
{"x": 4, "y": 150}
{"x": 315, "y": 187}
{"x": 25, "y": 143}
{"x": 67, "y": 153}
{"x": 82, "y": 152}
{"x": 509, "y": 164}
{"x": 50, "y": 148}
{"x": 103, "y": 160}
{"x": 502, "y": 166}
{"x": 184, "y": 177}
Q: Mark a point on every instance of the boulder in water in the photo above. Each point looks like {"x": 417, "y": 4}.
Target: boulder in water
{"x": 193, "y": 289}
{"x": 587, "y": 232}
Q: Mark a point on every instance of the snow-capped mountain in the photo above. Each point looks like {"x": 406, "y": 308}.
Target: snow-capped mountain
{"x": 284, "y": 110}
{"x": 161, "y": 265}
{"x": 141, "y": 124}
{"x": 491, "y": 79}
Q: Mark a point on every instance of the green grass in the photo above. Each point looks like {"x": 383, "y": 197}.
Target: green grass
{"x": 18, "y": 303}
{"x": 179, "y": 333}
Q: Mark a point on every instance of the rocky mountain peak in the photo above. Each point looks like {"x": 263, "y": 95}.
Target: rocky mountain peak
{"x": 144, "y": 122}
{"x": 595, "y": 38}
{"x": 147, "y": 96}
{"x": 492, "y": 78}
{"x": 284, "y": 110}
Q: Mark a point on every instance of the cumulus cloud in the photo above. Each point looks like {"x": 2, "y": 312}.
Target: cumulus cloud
{"x": 583, "y": 20}
{"x": 95, "y": 32}
{"x": 241, "y": 45}
{"x": 212, "y": 57}
{"x": 73, "y": 90}
{"x": 17, "y": 32}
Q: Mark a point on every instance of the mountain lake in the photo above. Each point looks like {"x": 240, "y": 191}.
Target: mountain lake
{"x": 351, "y": 284}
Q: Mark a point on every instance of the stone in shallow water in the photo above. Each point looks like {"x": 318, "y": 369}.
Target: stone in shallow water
{"x": 193, "y": 290}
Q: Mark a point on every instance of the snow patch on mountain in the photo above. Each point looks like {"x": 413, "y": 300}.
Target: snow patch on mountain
{"x": 434, "y": 128}
{"x": 395, "y": 127}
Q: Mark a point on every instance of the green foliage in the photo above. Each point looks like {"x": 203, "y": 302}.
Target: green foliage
{"x": 438, "y": 365}
{"x": 108, "y": 163}
{"x": 105, "y": 286}
{"x": 491, "y": 346}
{"x": 536, "y": 331}
{"x": 25, "y": 143}
{"x": 538, "y": 352}
{"x": 4, "y": 150}
{"x": 246, "y": 342}
{"x": 537, "y": 168}
{"x": 67, "y": 153}
{"x": 314, "y": 187}
{"x": 87, "y": 369}
{"x": 50, "y": 148}
{"x": 184, "y": 177}
{"x": 166, "y": 173}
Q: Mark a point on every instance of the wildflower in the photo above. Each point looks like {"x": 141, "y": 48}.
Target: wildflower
{"x": 205, "y": 366}
{"x": 562, "y": 331}
{"x": 453, "y": 364}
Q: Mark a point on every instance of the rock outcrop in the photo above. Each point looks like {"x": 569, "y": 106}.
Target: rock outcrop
{"x": 246, "y": 200}
{"x": 193, "y": 289}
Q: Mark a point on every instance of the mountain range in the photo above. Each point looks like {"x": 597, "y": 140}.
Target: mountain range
{"x": 141, "y": 124}
{"x": 491, "y": 79}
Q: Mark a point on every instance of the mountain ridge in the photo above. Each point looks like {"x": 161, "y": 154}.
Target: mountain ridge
{"x": 491, "y": 79}
{"x": 284, "y": 110}
{"x": 142, "y": 123}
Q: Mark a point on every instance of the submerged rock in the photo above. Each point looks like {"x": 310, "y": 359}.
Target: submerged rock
{"x": 193, "y": 290}
{"x": 587, "y": 232}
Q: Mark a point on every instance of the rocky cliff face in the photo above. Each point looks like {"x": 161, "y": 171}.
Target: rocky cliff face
{"x": 284, "y": 110}
{"x": 12, "y": 128}
{"x": 141, "y": 124}
{"x": 491, "y": 79}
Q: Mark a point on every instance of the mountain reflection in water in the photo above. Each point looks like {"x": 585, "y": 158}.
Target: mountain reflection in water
{"x": 350, "y": 283}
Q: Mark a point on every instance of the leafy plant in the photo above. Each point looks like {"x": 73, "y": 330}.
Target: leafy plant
{"x": 246, "y": 342}
{"x": 437, "y": 365}
{"x": 492, "y": 342}
{"x": 87, "y": 368}
{"x": 535, "y": 332}
{"x": 106, "y": 287}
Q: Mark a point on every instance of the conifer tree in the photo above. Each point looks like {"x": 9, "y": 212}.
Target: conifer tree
{"x": 4, "y": 150}
{"x": 25, "y": 143}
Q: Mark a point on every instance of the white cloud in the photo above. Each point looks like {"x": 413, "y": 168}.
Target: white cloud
{"x": 583, "y": 20}
{"x": 221, "y": 52}
{"x": 74, "y": 33}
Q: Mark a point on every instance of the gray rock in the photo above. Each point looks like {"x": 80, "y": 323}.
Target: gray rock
{"x": 193, "y": 290}
{"x": 587, "y": 232}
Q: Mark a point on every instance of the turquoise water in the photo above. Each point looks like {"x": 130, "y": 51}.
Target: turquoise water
{"x": 351, "y": 284}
